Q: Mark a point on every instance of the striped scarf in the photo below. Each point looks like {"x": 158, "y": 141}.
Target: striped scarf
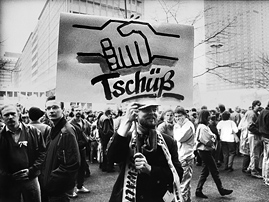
{"x": 131, "y": 174}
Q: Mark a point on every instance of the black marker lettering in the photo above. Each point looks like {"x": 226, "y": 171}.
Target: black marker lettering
{"x": 169, "y": 81}
{"x": 141, "y": 85}
{"x": 118, "y": 86}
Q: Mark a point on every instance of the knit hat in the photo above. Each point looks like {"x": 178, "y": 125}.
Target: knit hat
{"x": 35, "y": 113}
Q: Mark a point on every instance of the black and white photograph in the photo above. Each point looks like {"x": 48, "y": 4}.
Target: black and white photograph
{"x": 134, "y": 100}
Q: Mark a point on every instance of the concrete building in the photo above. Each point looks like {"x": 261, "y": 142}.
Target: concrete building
{"x": 237, "y": 50}
{"x": 38, "y": 63}
{"x": 7, "y": 69}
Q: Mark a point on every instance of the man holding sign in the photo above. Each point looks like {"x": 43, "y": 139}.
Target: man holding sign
{"x": 150, "y": 169}
{"x": 118, "y": 61}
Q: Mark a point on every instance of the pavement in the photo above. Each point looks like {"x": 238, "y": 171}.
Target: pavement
{"x": 246, "y": 188}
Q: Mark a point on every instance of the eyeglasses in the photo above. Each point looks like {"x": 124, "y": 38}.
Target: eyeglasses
{"x": 53, "y": 107}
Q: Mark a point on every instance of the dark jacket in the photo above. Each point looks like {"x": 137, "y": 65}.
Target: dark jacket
{"x": 106, "y": 128}
{"x": 149, "y": 187}
{"x": 83, "y": 133}
{"x": 263, "y": 122}
{"x": 62, "y": 161}
{"x": 36, "y": 152}
{"x": 44, "y": 129}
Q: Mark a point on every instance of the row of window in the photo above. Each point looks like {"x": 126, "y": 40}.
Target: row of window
{"x": 16, "y": 93}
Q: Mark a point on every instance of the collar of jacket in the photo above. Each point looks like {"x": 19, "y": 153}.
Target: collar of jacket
{"x": 57, "y": 128}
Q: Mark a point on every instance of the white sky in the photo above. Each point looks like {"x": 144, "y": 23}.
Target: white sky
{"x": 18, "y": 18}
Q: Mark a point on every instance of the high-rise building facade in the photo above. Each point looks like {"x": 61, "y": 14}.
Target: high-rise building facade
{"x": 241, "y": 32}
{"x": 38, "y": 64}
{"x": 7, "y": 71}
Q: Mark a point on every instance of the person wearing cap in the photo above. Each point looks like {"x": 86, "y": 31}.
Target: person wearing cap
{"x": 35, "y": 114}
{"x": 184, "y": 134}
{"x": 150, "y": 169}
{"x": 22, "y": 152}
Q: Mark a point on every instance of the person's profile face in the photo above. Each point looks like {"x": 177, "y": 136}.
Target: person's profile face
{"x": 257, "y": 107}
{"x": 54, "y": 110}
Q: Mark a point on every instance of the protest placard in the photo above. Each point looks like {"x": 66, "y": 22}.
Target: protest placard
{"x": 105, "y": 60}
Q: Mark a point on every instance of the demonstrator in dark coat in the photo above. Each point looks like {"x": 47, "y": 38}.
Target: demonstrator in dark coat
{"x": 62, "y": 160}
{"x": 150, "y": 172}
{"x": 22, "y": 152}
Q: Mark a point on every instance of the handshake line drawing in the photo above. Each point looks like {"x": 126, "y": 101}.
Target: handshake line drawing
{"x": 128, "y": 45}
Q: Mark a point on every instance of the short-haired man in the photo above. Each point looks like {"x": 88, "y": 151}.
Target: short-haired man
{"x": 255, "y": 143}
{"x": 83, "y": 129}
{"x": 22, "y": 152}
{"x": 150, "y": 169}
{"x": 62, "y": 160}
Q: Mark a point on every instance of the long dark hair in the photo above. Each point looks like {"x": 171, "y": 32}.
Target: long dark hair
{"x": 203, "y": 117}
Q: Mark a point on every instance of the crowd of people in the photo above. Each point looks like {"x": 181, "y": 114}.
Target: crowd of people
{"x": 45, "y": 155}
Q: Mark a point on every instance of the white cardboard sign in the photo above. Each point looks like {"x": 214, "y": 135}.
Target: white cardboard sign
{"x": 104, "y": 60}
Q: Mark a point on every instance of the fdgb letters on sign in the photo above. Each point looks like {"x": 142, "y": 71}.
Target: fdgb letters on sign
{"x": 104, "y": 60}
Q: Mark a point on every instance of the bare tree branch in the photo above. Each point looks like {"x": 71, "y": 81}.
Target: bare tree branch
{"x": 234, "y": 65}
{"x": 259, "y": 77}
{"x": 223, "y": 31}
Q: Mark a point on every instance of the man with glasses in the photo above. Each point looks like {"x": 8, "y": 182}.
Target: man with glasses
{"x": 22, "y": 152}
{"x": 62, "y": 160}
